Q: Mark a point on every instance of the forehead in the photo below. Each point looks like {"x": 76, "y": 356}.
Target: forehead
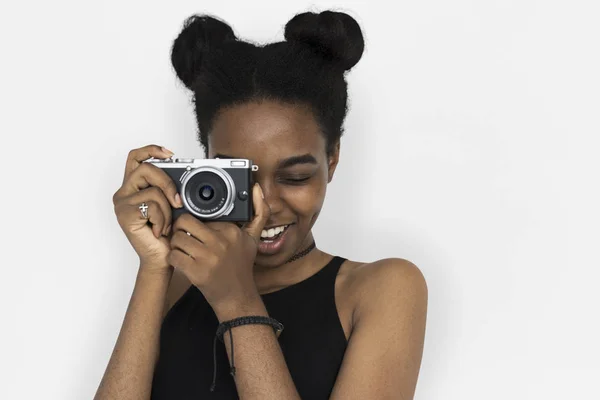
{"x": 266, "y": 130}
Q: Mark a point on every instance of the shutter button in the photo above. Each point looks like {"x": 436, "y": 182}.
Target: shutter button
{"x": 243, "y": 195}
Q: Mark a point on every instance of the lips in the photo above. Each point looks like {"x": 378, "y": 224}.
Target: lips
{"x": 269, "y": 246}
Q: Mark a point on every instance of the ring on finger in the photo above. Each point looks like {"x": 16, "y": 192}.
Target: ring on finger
{"x": 189, "y": 254}
{"x": 144, "y": 210}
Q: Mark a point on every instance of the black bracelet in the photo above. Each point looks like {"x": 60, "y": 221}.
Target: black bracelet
{"x": 227, "y": 325}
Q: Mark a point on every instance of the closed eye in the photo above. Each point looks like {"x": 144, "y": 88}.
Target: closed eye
{"x": 296, "y": 180}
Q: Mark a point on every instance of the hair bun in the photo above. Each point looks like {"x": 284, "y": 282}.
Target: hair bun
{"x": 200, "y": 35}
{"x": 336, "y": 36}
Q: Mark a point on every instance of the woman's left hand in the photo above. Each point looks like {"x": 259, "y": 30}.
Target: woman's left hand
{"x": 218, "y": 257}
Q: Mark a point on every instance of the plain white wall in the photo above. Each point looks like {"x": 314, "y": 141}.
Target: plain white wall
{"x": 470, "y": 149}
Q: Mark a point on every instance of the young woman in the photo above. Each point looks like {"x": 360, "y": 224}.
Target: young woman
{"x": 352, "y": 330}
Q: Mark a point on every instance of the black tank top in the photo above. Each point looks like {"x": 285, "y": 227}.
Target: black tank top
{"x": 312, "y": 342}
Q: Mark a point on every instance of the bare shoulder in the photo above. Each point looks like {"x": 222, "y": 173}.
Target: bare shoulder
{"x": 384, "y": 282}
{"x": 386, "y": 344}
{"x": 397, "y": 270}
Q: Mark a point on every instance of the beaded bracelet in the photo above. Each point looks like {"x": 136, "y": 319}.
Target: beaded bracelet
{"x": 227, "y": 325}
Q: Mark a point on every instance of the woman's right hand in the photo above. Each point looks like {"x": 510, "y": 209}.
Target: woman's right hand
{"x": 144, "y": 182}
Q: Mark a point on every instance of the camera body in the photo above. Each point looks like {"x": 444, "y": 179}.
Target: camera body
{"x": 218, "y": 189}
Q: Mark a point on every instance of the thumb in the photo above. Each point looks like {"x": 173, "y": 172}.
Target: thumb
{"x": 262, "y": 213}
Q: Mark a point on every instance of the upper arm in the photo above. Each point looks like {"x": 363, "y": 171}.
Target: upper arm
{"x": 383, "y": 355}
{"x": 177, "y": 287}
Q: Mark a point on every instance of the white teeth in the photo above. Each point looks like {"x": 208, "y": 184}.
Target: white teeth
{"x": 272, "y": 232}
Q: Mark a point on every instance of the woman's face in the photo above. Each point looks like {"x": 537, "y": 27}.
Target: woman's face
{"x": 286, "y": 143}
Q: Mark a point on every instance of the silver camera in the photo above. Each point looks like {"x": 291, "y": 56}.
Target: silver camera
{"x": 218, "y": 189}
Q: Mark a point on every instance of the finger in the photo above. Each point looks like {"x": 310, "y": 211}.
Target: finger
{"x": 147, "y": 175}
{"x": 180, "y": 260}
{"x": 220, "y": 226}
{"x": 155, "y": 216}
{"x": 137, "y": 156}
{"x": 226, "y": 229}
{"x": 190, "y": 224}
{"x": 262, "y": 212}
{"x": 187, "y": 243}
{"x": 130, "y": 216}
{"x": 155, "y": 194}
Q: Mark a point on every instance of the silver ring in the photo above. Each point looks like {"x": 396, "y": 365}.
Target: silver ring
{"x": 144, "y": 210}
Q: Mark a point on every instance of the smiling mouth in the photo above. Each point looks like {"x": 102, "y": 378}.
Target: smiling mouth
{"x": 269, "y": 235}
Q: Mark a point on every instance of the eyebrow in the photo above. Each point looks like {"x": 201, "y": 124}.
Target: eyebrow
{"x": 288, "y": 162}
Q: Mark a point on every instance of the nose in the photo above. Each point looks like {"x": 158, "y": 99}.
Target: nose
{"x": 272, "y": 196}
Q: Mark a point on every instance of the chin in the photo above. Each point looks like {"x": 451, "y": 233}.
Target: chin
{"x": 271, "y": 261}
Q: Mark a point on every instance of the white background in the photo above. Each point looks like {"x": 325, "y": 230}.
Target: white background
{"x": 470, "y": 149}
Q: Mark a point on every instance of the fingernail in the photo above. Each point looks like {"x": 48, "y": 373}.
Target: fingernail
{"x": 167, "y": 151}
{"x": 178, "y": 200}
{"x": 260, "y": 189}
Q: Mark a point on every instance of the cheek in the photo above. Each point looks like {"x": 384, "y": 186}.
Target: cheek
{"x": 306, "y": 200}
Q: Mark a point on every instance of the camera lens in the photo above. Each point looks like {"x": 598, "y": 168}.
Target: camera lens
{"x": 206, "y": 192}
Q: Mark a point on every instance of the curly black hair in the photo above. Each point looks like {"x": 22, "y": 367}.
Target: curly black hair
{"x": 307, "y": 68}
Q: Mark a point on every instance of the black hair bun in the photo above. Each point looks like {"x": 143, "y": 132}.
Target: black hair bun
{"x": 200, "y": 35}
{"x": 336, "y": 36}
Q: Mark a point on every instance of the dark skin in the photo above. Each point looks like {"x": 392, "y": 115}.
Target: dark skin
{"x": 270, "y": 133}
{"x": 382, "y": 305}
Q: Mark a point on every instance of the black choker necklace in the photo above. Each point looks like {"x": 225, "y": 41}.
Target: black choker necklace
{"x": 302, "y": 253}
